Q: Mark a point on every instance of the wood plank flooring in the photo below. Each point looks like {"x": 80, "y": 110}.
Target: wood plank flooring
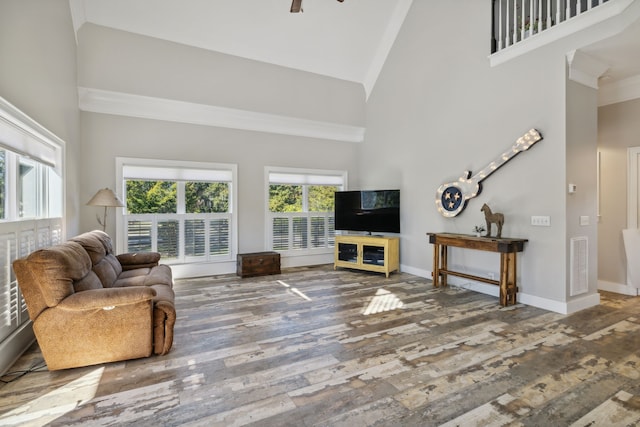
{"x": 318, "y": 347}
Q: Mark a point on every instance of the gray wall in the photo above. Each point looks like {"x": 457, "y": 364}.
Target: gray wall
{"x": 618, "y": 129}
{"x": 124, "y": 62}
{"x": 582, "y": 142}
{"x": 438, "y": 109}
{"x": 38, "y": 76}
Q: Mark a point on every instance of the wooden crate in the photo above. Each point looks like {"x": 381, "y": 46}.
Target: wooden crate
{"x": 258, "y": 264}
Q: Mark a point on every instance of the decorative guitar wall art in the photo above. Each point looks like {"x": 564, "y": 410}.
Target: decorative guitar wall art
{"x": 451, "y": 198}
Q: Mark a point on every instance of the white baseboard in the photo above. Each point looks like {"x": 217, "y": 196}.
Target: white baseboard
{"x": 618, "y": 288}
{"x": 415, "y": 271}
{"x": 306, "y": 260}
{"x": 561, "y": 307}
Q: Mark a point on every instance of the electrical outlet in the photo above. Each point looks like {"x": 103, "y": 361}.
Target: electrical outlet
{"x": 541, "y": 221}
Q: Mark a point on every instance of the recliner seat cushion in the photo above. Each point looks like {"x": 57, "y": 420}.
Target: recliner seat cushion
{"x": 158, "y": 275}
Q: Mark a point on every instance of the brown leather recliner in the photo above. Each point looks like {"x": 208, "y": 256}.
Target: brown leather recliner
{"x": 89, "y": 306}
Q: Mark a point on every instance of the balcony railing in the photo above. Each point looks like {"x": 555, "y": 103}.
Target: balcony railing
{"x": 516, "y": 20}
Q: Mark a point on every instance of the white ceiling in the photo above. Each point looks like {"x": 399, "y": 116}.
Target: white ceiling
{"x": 620, "y": 52}
{"x": 348, "y": 40}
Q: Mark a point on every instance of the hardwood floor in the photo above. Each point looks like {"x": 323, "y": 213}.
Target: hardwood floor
{"x": 318, "y": 347}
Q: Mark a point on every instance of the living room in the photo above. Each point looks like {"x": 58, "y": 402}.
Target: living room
{"x": 437, "y": 108}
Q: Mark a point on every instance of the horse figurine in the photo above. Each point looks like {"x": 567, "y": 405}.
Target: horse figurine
{"x": 491, "y": 217}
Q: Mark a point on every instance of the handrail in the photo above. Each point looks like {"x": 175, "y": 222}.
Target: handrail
{"x": 516, "y": 20}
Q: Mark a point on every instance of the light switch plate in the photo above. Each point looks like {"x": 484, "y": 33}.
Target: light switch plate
{"x": 541, "y": 221}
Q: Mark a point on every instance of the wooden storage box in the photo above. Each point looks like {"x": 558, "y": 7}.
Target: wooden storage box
{"x": 258, "y": 264}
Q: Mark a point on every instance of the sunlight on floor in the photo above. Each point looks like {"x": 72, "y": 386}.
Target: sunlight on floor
{"x": 383, "y": 301}
{"x": 52, "y": 405}
{"x": 294, "y": 290}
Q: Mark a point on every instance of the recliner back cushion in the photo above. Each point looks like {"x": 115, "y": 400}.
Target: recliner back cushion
{"x": 104, "y": 263}
{"x": 106, "y": 272}
{"x": 94, "y": 247}
{"x": 55, "y": 270}
{"x": 90, "y": 281}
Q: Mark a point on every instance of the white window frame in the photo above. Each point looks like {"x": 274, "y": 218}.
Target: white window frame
{"x": 23, "y": 137}
{"x": 171, "y": 170}
{"x": 299, "y": 176}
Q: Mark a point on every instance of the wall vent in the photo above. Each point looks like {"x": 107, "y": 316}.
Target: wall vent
{"x": 579, "y": 274}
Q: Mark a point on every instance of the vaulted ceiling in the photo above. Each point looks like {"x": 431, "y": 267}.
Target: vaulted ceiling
{"x": 347, "y": 40}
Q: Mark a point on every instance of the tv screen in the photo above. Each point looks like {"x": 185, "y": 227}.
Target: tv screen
{"x": 374, "y": 211}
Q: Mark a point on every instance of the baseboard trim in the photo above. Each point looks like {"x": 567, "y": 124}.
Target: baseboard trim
{"x": 617, "y": 288}
{"x": 16, "y": 344}
{"x": 567, "y": 307}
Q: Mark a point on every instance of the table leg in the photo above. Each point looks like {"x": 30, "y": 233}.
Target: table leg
{"x": 508, "y": 273}
{"x": 436, "y": 265}
{"x": 443, "y": 263}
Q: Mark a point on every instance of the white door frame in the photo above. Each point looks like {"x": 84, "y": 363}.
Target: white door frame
{"x": 633, "y": 159}
{"x": 633, "y": 156}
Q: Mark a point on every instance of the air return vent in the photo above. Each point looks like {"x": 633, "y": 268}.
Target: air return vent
{"x": 579, "y": 280}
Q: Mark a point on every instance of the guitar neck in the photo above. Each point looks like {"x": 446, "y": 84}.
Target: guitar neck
{"x": 523, "y": 143}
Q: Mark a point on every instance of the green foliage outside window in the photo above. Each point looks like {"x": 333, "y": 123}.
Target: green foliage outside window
{"x": 288, "y": 198}
{"x": 151, "y": 197}
{"x": 207, "y": 197}
{"x": 144, "y": 197}
{"x": 285, "y": 198}
{"x": 321, "y": 198}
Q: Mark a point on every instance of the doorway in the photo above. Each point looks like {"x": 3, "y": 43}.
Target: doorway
{"x": 631, "y": 237}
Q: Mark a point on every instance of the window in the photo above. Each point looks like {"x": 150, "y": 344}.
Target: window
{"x": 300, "y": 215}
{"x": 31, "y": 189}
{"x": 183, "y": 210}
{"x": 27, "y": 192}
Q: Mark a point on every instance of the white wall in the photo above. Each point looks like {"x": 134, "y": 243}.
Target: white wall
{"x": 438, "y": 109}
{"x": 107, "y": 137}
{"x": 38, "y": 76}
{"x": 582, "y": 141}
{"x": 124, "y": 62}
{"x": 618, "y": 129}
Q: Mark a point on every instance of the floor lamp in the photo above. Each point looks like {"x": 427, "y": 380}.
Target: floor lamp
{"x": 107, "y": 198}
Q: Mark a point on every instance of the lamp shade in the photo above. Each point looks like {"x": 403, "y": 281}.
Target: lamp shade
{"x": 105, "y": 197}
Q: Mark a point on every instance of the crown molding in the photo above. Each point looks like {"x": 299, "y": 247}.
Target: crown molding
{"x": 619, "y": 91}
{"x": 147, "y": 107}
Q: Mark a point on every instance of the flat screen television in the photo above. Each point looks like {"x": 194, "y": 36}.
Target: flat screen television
{"x": 373, "y": 211}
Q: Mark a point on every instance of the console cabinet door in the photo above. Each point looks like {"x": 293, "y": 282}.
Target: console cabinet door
{"x": 371, "y": 253}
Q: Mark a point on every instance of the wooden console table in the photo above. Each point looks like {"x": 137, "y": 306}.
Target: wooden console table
{"x": 508, "y": 249}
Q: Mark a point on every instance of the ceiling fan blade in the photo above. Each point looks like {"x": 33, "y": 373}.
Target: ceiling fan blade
{"x": 296, "y": 6}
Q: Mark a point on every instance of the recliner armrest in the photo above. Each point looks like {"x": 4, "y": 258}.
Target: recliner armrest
{"x": 132, "y": 260}
{"x": 106, "y": 298}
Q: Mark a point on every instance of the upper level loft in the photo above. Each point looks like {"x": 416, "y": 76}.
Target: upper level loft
{"x": 603, "y": 48}
{"x": 517, "y": 20}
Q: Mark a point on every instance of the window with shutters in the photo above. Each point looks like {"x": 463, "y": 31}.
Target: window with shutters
{"x": 30, "y": 204}
{"x": 183, "y": 210}
{"x": 300, "y": 215}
